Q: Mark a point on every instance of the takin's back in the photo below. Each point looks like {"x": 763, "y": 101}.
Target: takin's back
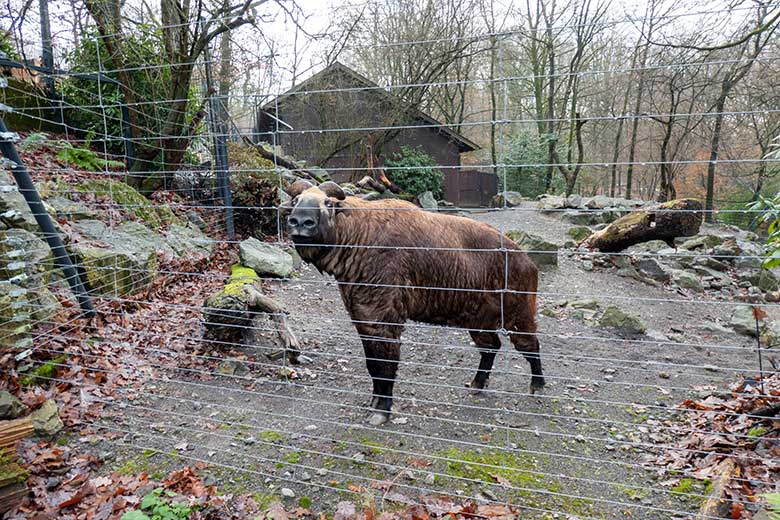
{"x": 435, "y": 249}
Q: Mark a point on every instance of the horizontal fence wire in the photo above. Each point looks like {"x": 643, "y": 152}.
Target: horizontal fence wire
{"x": 179, "y": 206}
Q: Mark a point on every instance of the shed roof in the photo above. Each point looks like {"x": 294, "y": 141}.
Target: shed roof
{"x": 307, "y": 86}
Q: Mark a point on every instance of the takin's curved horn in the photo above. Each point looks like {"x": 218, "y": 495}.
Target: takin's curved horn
{"x": 299, "y": 187}
{"x": 331, "y": 189}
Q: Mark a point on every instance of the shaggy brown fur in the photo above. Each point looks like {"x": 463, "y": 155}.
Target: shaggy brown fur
{"x": 395, "y": 263}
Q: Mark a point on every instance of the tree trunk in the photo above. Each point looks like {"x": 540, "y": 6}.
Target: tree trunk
{"x": 552, "y": 141}
{"x": 714, "y": 150}
{"x": 493, "y": 110}
{"x": 666, "y": 188}
{"x": 667, "y": 221}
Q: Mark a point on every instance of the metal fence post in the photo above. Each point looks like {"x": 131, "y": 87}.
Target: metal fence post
{"x": 220, "y": 149}
{"x": 30, "y": 194}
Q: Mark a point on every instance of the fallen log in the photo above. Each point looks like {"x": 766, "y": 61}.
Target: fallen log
{"x": 717, "y": 503}
{"x": 281, "y": 161}
{"x": 667, "y": 221}
{"x": 13, "y": 477}
{"x": 229, "y": 314}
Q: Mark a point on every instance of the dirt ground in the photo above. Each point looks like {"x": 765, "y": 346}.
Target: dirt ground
{"x": 577, "y": 450}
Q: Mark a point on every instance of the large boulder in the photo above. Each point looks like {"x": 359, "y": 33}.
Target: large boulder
{"x": 188, "y": 241}
{"x": 622, "y": 322}
{"x": 651, "y": 268}
{"x": 541, "y": 251}
{"x": 551, "y": 202}
{"x": 10, "y": 406}
{"x": 14, "y": 212}
{"x": 598, "y": 202}
{"x": 179, "y": 240}
{"x": 582, "y": 218}
{"x": 46, "y": 419}
{"x": 70, "y": 210}
{"x": 574, "y": 201}
{"x": 701, "y": 242}
{"x": 510, "y": 199}
{"x": 265, "y": 259}
{"x": 23, "y": 252}
{"x": 743, "y": 322}
{"x": 687, "y": 280}
{"x": 427, "y": 200}
{"x": 127, "y": 197}
{"x": 115, "y": 272}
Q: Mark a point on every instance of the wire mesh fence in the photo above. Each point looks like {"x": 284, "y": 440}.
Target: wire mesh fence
{"x": 301, "y": 283}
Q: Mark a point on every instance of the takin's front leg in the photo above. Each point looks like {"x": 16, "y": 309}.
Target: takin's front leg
{"x": 488, "y": 344}
{"x": 383, "y": 352}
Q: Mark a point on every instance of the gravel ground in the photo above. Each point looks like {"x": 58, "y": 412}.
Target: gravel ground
{"x": 576, "y": 450}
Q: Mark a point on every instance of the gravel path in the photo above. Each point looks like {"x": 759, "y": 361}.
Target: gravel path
{"x": 576, "y": 450}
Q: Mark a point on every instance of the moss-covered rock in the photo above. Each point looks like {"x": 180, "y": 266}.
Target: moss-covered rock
{"x": 622, "y": 322}
{"x": 188, "y": 240}
{"x": 579, "y": 233}
{"x": 14, "y": 212}
{"x": 66, "y": 209}
{"x": 542, "y": 252}
{"x": 124, "y": 195}
{"x": 113, "y": 272}
{"x": 23, "y": 252}
{"x": 46, "y": 419}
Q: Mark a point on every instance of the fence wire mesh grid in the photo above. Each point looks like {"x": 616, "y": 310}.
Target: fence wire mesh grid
{"x": 258, "y": 260}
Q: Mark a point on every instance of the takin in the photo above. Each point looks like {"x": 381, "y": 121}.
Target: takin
{"x": 394, "y": 262}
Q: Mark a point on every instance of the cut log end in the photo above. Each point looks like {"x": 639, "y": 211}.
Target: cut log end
{"x": 667, "y": 221}
{"x": 230, "y": 313}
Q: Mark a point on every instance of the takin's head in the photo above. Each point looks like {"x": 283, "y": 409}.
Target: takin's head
{"x": 312, "y": 212}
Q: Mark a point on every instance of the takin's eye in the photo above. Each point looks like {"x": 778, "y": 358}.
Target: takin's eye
{"x": 328, "y": 203}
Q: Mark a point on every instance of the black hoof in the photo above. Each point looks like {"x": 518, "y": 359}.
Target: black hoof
{"x": 476, "y": 387}
{"x": 537, "y": 384}
{"x": 378, "y": 418}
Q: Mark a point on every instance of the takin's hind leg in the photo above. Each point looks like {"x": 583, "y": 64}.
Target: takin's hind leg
{"x": 528, "y": 344}
{"x": 488, "y": 344}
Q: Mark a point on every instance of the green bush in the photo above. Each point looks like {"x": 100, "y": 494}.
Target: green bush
{"x": 95, "y": 108}
{"x": 415, "y": 172}
{"x": 254, "y": 185}
{"x": 526, "y": 154}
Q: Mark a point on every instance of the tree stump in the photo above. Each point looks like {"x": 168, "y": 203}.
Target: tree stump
{"x": 13, "y": 477}
{"x": 230, "y": 313}
{"x": 667, "y": 221}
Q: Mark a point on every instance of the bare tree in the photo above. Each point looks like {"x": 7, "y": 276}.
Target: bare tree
{"x": 728, "y": 76}
{"x": 187, "y": 30}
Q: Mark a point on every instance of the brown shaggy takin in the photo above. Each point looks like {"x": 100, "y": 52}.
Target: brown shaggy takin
{"x": 395, "y": 262}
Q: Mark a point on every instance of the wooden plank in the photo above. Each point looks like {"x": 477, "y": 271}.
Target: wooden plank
{"x": 12, "y": 431}
{"x": 13, "y": 477}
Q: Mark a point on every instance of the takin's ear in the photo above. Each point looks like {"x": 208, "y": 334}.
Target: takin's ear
{"x": 298, "y": 187}
{"x": 331, "y": 189}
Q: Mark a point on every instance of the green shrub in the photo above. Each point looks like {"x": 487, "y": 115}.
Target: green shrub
{"x": 158, "y": 505}
{"x": 526, "y": 156}
{"x": 254, "y": 185}
{"x": 414, "y": 171}
{"x": 84, "y": 158}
